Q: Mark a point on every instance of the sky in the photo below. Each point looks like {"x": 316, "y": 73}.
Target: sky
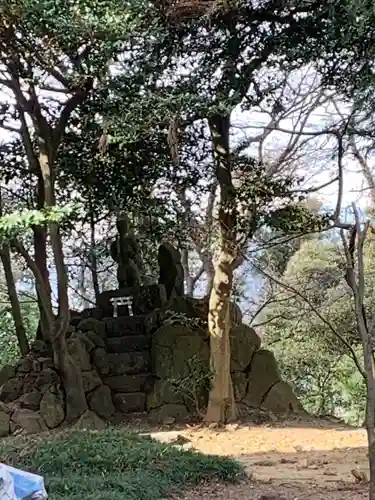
{"x": 317, "y": 162}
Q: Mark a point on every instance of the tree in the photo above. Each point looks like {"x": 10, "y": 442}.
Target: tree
{"x": 52, "y": 57}
{"x": 215, "y": 45}
{"x": 355, "y": 277}
{"x": 310, "y": 325}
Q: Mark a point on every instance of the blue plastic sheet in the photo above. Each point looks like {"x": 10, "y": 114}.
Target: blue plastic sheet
{"x": 27, "y": 486}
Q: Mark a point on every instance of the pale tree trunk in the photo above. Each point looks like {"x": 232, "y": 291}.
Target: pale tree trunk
{"x": 93, "y": 260}
{"x": 70, "y": 374}
{"x": 221, "y": 405}
{"x": 40, "y": 252}
{"x": 41, "y": 163}
{"x": 210, "y": 275}
{"x": 189, "y": 280}
{"x": 23, "y": 343}
{"x": 365, "y": 330}
{"x": 39, "y": 232}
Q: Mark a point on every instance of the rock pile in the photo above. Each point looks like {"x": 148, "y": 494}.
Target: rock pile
{"x": 131, "y": 363}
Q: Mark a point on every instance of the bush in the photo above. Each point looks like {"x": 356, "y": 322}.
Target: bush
{"x": 115, "y": 465}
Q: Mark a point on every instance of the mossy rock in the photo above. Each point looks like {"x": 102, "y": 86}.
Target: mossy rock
{"x": 281, "y": 399}
{"x": 244, "y": 342}
{"x": 264, "y": 373}
{"x": 177, "y": 411}
{"x": 163, "y": 393}
{"x": 239, "y": 380}
{"x": 7, "y": 372}
{"x": 173, "y": 347}
{"x": 198, "y": 308}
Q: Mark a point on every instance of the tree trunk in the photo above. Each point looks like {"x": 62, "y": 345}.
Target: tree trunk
{"x": 75, "y": 399}
{"x": 23, "y": 343}
{"x": 93, "y": 261}
{"x": 189, "y": 280}
{"x": 40, "y": 252}
{"x": 210, "y": 274}
{"x": 221, "y": 404}
{"x": 71, "y": 376}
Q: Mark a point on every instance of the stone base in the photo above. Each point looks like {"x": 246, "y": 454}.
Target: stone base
{"x": 145, "y": 300}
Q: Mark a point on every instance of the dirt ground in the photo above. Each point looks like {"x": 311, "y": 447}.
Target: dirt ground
{"x": 293, "y": 461}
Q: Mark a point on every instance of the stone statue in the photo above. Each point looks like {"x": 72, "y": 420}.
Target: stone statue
{"x": 125, "y": 251}
{"x": 171, "y": 270}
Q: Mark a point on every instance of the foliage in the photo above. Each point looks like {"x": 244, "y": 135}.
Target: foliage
{"x": 115, "y": 465}
{"x": 195, "y": 385}
{"x": 9, "y": 351}
{"x": 310, "y": 348}
{"x": 16, "y": 223}
{"x": 177, "y": 318}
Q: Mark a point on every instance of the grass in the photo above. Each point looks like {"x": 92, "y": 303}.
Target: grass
{"x": 115, "y": 465}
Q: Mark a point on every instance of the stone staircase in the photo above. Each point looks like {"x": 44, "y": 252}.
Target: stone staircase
{"x": 128, "y": 366}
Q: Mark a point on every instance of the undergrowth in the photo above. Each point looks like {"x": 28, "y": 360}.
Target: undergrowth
{"x": 114, "y": 465}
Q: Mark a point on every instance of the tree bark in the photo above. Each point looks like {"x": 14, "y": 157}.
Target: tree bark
{"x": 23, "y": 342}
{"x": 221, "y": 405}
{"x": 365, "y": 329}
{"x": 93, "y": 260}
{"x": 189, "y": 280}
{"x": 40, "y": 252}
{"x": 76, "y": 403}
{"x": 210, "y": 275}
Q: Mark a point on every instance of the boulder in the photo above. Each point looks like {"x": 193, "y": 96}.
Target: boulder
{"x": 46, "y": 363}
{"x": 281, "y": 399}
{"x": 4, "y": 423}
{"x": 244, "y": 342}
{"x": 85, "y": 341}
{"x": 46, "y": 378}
{"x": 92, "y": 325}
{"x": 92, "y": 312}
{"x": 163, "y": 394}
{"x": 145, "y": 300}
{"x": 7, "y": 372}
{"x": 124, "y": 326}
{"x": 27, "y": 421}
{"x": 52, "y": 408}
{"x": 130, "y": 383}
{"x": 128, "y": 343}
{"x": 39, "y": 348}
{"x": 91, "y": 380}
{"x": 89, "y": 420}
{"x": 79, "y": 354}
{"x": 173, "y": 347}
{"x": 264, "y": 373}
{"x": 11, "y": 390}
{"x": 100, "y": 361}
{"x": 129, "y": 363}
{"x": 31, "y": 400}
{"x": 198, "y": 308}
{"x": 240, "y": 381}
{"x": 130, "y": 402}
{"x": 25, "y": 365}
{"x": 95, "y": 338}
{"x": 100, "y": 401}
{"x": 177, "y": 411}
{"x": 176, "y": 352}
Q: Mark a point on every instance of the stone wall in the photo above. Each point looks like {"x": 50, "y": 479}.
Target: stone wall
{"x": 131, "y": 364}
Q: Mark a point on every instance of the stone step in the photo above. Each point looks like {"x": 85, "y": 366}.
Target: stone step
{"x": 125, "y": 326}
{"x": 130, "y": 363}
{"x": 130, "y": 403}
{"x": 130, "y": 383}
{"x": 129, "y": 343}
